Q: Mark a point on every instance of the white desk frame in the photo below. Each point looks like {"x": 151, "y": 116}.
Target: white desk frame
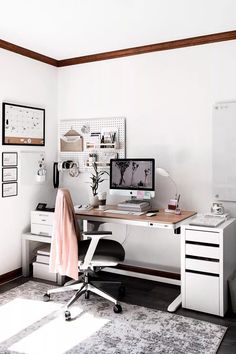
{"x": 161, "y": 221}
{"x": 154, "y": 222}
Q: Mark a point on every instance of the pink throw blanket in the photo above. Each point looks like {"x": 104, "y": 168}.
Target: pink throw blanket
{"x": 64, "y": 246}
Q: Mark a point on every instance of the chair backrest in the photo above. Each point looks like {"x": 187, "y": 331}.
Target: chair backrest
{"x": 66, "y": 234}
{"x": 64, "y": 208}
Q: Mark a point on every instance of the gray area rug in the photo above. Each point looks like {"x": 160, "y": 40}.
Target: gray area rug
{"x": 31, "y": 326}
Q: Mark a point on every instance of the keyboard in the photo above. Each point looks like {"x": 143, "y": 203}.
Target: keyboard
{"x": 124, "y": 212}
{"x": 207, "y": 220}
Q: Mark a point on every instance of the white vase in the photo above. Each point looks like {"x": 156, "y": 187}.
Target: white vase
{"x": 93, "y": 200}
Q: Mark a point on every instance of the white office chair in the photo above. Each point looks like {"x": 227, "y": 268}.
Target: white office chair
{"x": 93, "y": 252}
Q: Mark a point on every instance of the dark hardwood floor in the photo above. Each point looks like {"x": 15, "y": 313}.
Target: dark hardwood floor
{"x": 157, "y": 296}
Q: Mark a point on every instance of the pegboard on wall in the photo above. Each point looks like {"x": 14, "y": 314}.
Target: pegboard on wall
{"x": 88, "y": 140}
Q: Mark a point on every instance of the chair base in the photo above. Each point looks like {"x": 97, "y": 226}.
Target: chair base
{"x": 85, "y": 287}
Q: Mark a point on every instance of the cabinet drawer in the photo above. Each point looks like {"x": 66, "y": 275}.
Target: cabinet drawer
{"x": 202, "y": 236}
{"x": 202, "y": 293}
{"x": 44, "y": 230}
{"x": 42, "y": 217}
{"x": 202, "y": 266}
{"x": 202, "y": 251}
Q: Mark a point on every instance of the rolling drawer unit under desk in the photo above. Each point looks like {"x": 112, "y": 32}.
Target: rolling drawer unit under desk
{"x": 208, "y": 258}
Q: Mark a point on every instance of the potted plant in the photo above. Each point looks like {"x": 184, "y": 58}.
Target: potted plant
{"x": 96, "y": 179}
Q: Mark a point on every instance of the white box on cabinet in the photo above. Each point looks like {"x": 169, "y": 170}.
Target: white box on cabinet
{"x": 41, "y": 271}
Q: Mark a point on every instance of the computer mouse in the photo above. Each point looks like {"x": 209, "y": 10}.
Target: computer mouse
{"x": 151, "y": 214}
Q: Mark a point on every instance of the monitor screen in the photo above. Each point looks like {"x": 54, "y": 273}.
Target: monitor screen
{"x": 129, "y": 176}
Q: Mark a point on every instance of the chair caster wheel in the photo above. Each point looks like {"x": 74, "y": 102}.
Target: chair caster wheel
{"x": 117, "y": 308}
{"x": 121, "y": 291}
{"x": 87, "y": 294}
{"x": 67, "y": 315}
{"x": 46, "y": 297}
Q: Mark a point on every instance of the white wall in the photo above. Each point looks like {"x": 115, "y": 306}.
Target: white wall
{"x": 167, "y": 99}
{"x": 27, "y": 82}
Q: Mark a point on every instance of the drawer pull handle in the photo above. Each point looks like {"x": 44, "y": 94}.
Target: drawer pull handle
{"x": 202, "y": 258}
{"x": 202, "y": 244}
{"x": 202, "y": 273}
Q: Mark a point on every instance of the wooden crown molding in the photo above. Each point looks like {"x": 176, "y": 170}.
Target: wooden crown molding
{"x": 179, "y": 43}
{"x": 27, "y": 53}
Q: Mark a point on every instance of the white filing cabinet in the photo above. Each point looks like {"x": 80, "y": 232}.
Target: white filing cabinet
{"x": 42, "y": 222}
{"x": 208, "y": 258}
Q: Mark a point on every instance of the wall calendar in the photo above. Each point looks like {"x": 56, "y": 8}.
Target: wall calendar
{"x": 23, "y": 125}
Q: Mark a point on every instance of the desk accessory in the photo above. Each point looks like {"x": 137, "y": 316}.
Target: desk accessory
{"x": 102, "y": 200}
{"x": 83, "y": 207}
{"x": 96, "y": 178}
{"x": 173, "y": 203}
{"x": 71, "y": 141}
{"x": 151, "y": 214}
{"x": 41, "y": 170}
{"x": 217, "y": 208}
{"x": 124, "y": 212}
{"x": 207, "y": 220}
{"x": 225, "y": 216}
{"x": 134, "y": 205}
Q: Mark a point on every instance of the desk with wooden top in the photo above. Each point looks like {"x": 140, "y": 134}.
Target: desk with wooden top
{"x": 161, "y": 220}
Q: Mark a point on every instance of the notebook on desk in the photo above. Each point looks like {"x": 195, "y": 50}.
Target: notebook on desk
{"x": 124, "y": 212}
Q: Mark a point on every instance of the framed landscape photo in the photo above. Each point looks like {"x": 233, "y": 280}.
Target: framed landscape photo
{"x": 9, "y": 159}
{"x": 9, "y": 174}
{"x": 9, "y": 189}
{"x": 22, "y": 125}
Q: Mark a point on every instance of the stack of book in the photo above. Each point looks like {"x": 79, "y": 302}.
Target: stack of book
{"x": 41, "y": 265}
{"x": 134, "y": 205}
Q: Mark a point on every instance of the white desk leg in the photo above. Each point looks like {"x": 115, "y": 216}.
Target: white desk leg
{"x": 175, "y": 304}
{"x": 60, "y": 279}
{"x": 85, "y": 225}
{"x": 25, "y": 257}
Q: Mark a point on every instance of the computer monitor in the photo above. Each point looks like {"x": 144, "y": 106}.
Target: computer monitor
{"x": 133, "y": 177}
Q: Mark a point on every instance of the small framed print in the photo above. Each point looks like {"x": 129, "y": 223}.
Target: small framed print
{"x": 9, "y": 189}
{"x": 9, "y": 174}
{"x": 9, "y": 159}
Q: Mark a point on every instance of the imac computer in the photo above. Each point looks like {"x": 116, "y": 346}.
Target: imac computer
{"x": 133, "y": 177}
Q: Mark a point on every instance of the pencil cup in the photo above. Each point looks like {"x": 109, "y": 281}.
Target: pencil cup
{"x": 102, "y": 200}
{"x": 172, "y": 204}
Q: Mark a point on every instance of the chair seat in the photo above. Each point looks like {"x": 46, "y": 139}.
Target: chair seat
{"x": 101, "y": 261}
{"x": 109, "y": 250}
